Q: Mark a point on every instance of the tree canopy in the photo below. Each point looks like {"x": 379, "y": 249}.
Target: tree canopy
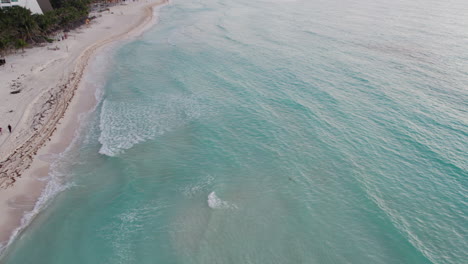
{"x": 19, "y": 27}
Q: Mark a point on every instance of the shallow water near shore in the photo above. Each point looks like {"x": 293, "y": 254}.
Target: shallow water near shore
{"x": 272, "y": 132}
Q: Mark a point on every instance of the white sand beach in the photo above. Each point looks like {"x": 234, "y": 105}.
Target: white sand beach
{"x": 44, "y": 114}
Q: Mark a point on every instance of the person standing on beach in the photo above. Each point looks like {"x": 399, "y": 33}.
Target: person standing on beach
{"x": 1, "y": 131}
{"x": 9, "y": 128}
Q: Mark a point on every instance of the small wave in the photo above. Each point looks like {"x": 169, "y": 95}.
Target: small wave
{"x": 199, "y": 187}
{"x": 214, "y": 202}
{"x": 401, "y": 224}
{"x": 56, "y": 184}
{"x": 125, "y": 124}
{"x": 58, "y": 179}
{"x": 126, "y": 227}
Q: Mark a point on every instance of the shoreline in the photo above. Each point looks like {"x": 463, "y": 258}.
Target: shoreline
{"x": 27, "y": 167}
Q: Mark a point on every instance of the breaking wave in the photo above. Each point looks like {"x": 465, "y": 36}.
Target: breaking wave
{"x": 214, "y": 202}
{"x": 124, "y": 124}
{"x": 57, "y": 182}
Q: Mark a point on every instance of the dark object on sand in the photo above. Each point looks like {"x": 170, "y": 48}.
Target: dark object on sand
{"x": 2, "y": 62}
{"x": 16, "y": 92}
{"x": 9, "y": 128}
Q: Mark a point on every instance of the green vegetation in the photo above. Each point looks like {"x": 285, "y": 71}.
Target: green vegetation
{"x": 19, "y": 27}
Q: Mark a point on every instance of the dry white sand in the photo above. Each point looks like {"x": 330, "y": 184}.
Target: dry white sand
{"x": 48, "y": 80}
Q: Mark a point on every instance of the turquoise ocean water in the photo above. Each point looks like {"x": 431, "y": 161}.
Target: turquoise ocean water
{"x": 271, "y": 131}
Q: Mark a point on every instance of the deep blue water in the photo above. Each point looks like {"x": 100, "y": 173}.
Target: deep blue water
{"x": 273, "y": 132}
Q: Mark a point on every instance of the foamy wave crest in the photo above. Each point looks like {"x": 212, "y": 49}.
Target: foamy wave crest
{"x": 196, "y": 188}
{"x": 124, "y": 124}
{"x": 57, "y": 182}
{"x": 214, "y": 202}
{"x": 58, "y": 179}
{"x": 125, "y": 228}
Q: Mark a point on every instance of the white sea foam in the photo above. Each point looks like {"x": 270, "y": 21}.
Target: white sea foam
{"x": 58, "y": 176}
{"x": 198, "y": 187}
{"x": 57, "y": 182}
{"x": 125, "y": 227}
{"x": 94, "y": 78}
{"x": 124, "y": 124}
{"x": 214, "y": 202}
